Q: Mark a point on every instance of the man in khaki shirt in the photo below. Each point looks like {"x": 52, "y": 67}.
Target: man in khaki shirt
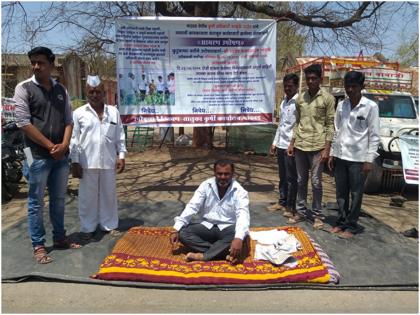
{"x": 311, "y": 142}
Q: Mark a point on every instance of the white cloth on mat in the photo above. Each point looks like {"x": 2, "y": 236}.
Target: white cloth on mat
{"x": 275, "y": 246}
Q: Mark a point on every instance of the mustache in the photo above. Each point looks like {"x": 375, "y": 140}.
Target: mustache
{"x": 224, "y": 182}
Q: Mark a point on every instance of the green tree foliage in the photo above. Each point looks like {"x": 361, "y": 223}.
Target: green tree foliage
{"x": 408, "y": 52}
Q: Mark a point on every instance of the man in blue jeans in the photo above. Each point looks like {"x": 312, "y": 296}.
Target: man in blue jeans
{"x": 43, "y": 113}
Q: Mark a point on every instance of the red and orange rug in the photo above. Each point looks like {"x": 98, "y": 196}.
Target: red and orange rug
{"x": 145, "y": 254}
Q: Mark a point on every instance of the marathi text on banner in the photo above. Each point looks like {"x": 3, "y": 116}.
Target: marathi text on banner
{"x": 196, "y": 71}
{"x": 409, "y": 145}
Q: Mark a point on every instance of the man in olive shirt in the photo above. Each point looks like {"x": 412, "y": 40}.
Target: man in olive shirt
{"x": 311, "y": 142}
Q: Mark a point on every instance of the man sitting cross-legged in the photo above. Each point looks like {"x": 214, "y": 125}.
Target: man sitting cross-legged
{"x": 222, "y": 204}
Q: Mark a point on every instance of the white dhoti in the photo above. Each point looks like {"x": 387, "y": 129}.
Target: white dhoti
{"x": 98, "y": 200}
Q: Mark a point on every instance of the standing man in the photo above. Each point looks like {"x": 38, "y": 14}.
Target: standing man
{"x": 223, "y": 207}
{"x": 287, "y": 165}
{"x": 43, "y": 113}
{"x": 131, "y": 93}
{"x": 353, "y": 151}
{"x": 143, "y": 87}
{"x": 97, "y": 154}
{"x": 311, "y": 142}
{"x": 171, "y": 88}
{"x": 161, "y": 86}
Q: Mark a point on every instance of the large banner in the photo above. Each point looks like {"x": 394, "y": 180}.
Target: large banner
{"x": 409, "y": 145}
{"x": 196, "y": 72}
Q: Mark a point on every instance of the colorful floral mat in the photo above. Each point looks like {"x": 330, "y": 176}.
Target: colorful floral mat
{"x": 145, "y": 254}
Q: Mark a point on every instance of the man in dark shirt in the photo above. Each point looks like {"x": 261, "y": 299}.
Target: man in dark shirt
{"x": 43, "y": 113}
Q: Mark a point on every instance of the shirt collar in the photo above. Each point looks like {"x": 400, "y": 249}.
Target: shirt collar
{"x": 293, "y": 99}
{"x": 319, "y": 93}
{"x": 232, "y": 186}
{"x": 363, "y": 101}
{"x": 33, "y": 79}
{"x": 89, "y": 107}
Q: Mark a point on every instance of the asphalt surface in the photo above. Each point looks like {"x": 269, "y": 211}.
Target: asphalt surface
{"x": 157, "y": 175}
{"x": 50, "y": 297}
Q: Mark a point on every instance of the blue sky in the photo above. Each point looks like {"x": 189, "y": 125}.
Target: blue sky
{"x": 56, "y": 39}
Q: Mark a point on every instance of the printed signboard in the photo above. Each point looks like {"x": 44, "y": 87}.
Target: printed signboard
{"x": 196, "y": 71}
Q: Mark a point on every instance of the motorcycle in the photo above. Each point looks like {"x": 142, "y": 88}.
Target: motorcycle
{"x": 12, "y": 157}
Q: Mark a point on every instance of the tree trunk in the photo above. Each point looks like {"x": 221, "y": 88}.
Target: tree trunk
{"x": 202, "y": 137}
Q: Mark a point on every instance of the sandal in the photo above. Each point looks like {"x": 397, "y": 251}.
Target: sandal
{"x": 295, "y": 219}
{"x": 115, "y": 233}
{"x": 66, "y": 244}
{"x": 41, "y": 256}
{"x": 345, "y": 234}
{"x": 318, "y": 224}
{"x": 288, "y": 214}
{"x": 86, "y": 236}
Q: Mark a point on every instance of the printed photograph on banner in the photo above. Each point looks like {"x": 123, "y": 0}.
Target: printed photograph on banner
{"x": 146, "y": 88}
{"x": 224, "y": 70}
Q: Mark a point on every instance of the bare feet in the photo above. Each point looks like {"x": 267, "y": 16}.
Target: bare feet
{"x": 194, "y": 257}
{"x": 345, "y": 234}
{"x": 336, "y": 230}
{"x": 231, "y": 260}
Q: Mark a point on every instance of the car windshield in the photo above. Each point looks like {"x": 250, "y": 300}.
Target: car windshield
{"x": 394, "y": 106}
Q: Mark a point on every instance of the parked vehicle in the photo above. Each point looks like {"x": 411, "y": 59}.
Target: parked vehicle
{"x": 416, "y": 102}
{"x": 12, "y": 157}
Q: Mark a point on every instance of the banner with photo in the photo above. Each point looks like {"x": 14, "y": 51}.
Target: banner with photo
{"x": 195, "y": 71}
{"x": 409, "y": 145}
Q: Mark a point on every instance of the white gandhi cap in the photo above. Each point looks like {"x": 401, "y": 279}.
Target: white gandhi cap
{"x": 93, "y": 80}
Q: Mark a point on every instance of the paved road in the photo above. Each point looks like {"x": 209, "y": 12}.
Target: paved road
{"x": 41, "y": 297}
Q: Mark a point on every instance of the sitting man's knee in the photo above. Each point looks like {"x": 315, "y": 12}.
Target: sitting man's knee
{"x": 184, "y": 235}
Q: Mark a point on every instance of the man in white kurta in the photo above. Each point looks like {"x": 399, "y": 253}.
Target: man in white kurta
{"x": 97, "y": 152}
{"x": 223, "y": 207}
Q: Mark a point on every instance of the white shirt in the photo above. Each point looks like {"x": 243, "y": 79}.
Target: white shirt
{"x": 232, "y": 209}
{"x": 132, "y": 86}
{"x": 356, "y": 135}
{"x": 143, "y": 85}
{"x": 161, "y": 86}
{"x": 171, "y": 86}
{"x": 287, "y": 121}
{"x": 95, "y": 144}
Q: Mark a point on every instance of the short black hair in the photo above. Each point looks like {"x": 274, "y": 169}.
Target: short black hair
{"x": 316, "y": 69}
{"x": 291, "y": 77}
{"x": 42, "y": 51}
{"x": 354, "y": 77}
{"x": 224, "y": 162}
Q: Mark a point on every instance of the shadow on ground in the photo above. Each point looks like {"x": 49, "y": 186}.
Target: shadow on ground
{"x": 378, "y": 258}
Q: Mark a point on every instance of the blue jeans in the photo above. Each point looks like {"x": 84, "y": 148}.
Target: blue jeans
{"x": 52, "y": 174}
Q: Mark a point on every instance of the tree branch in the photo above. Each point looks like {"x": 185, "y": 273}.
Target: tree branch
{"x": 309, "y": 20}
